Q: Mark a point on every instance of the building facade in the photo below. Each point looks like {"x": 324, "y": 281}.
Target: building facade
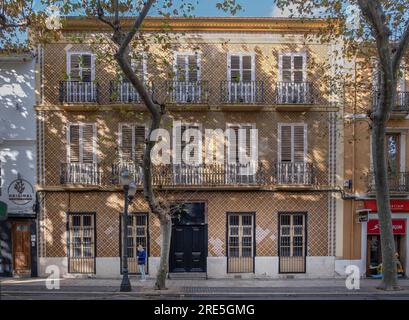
{"x": 219, "y": 73}
{"x": 362, "y": 245}
{"x": 18, "y": 233}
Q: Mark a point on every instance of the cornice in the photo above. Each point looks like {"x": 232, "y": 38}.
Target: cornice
{"x": 204, "y": 24}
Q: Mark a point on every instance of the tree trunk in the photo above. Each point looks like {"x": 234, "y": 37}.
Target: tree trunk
{"x": 166, "y": 232}
{"x": 389, "y": 280}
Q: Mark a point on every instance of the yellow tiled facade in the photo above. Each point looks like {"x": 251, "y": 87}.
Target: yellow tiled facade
{"x": 266, "y": 201}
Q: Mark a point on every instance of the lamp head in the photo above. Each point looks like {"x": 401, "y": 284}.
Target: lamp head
{"x": 125, "y": 177}
{"x": 132, "y": 190}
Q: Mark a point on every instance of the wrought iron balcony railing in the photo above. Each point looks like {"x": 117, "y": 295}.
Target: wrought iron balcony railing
{"x": 187, "y": 91}
{"x": 242, "y": 92}
{"x": 398, "y": 182}
{"x": 123, "y": 91}
{"x": 401, "y": 103}
{"x": 298, "y": 93}
{"x": 79, "y": 92}
{"x": 294, "y": 173}
{"x": 195, "y": 175}
{"x": 80, "y": 173}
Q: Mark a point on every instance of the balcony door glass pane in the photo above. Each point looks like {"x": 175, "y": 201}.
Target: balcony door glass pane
{"x": 392, "y": 147}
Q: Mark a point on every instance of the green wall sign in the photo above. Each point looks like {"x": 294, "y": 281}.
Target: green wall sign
{"x": 3, "y": 211}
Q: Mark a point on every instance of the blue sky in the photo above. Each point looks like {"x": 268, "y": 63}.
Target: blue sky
{"x": 252, "y": 8}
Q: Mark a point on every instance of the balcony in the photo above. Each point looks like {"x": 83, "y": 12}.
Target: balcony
{"x": 78, "y": 92}
{"x": 205, "y": 175}
{"x": 80, "y": 173}
{"x": 400, "y": 108}
{"x": 294, "y": 174}
{"x": 297, "y": 96}
{"x": 187, "y": 92}
{"x": 242, "y": 92}
{"x": 398, "y": 182}
{"x": 123, "y": 92}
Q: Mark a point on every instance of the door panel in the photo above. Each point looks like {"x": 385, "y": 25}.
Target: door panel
{"x": 188, "y": 249}
{"x": 21, "y": 246}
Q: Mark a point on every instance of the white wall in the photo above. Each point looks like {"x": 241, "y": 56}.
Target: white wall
{"x": 17, "y": 130}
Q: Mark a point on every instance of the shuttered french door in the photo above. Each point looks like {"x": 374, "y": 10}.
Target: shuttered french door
{"x": 81, "y": 242}
{"x": 292, "y": 155}
{"x": 240, "y": 242}
{"x": 292, "y": 247}
{"x": 132, "y": 143}
{"x": 237, "y": 172}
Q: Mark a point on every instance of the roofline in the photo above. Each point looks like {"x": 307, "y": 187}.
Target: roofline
{"x": 205, "y": 24}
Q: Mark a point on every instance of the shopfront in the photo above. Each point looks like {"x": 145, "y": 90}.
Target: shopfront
{"x": 372, "y": 241}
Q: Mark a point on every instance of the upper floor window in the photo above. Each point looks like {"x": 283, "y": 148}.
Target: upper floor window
{"x": 376, "y": 77}
{"x": 292, "y": 67}
{"x": 81, "y": 143}
{"x": 393, "y": 152}
{"x": 239, "y": 142}
{"x": 187, "y": 67}
{"x": 81, "y": 66}
{"x": 184, "y": 134}
{"x": 241, "y": 67}
{"x": 292, "y": 142}
{"x": 132, "y": 142}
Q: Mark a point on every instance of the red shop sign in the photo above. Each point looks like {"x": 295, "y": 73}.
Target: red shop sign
{"x": 396, "y": 205}
{"x": 398, "y": 225}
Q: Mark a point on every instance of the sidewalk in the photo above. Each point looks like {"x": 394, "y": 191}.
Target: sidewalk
{"x": 199, "y": 288}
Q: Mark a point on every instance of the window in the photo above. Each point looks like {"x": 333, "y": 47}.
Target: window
{"x": 234, "y": 146}
{"x": 81, "y": 143}
{"x": 81, "y": 246}
{"x": 187, "y": 67}
{"x": 292, "y": 243}
{"x": 241, "y": 67}
{"x": 393, "y": 152}
{"x": 139, "y": 65}
{"x": 132, "y": 142}
{"x": 292, "y": 67}
{"x": 240, "y": 251}
{"x": 180, "y": 155}
{"x": 376, "y": 71}
{"x": 137, "y": 235}
{"x": 292, "y": 140}
{"x": 81, "y": 66}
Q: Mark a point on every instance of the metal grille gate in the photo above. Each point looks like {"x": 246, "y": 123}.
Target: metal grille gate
{"x": 137, "y": 234}
{"x": 240, "y": 230}
{"x": 81, "y": 244}
{"x": 292, "y": 242}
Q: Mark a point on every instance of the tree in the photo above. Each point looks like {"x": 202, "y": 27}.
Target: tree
{"x": 17, "y": 16}
{"x": 385, "y": 28}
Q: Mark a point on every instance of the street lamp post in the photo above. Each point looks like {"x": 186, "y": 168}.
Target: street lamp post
{"x": 129, "y": 192}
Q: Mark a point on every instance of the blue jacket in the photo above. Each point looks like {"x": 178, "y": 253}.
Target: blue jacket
{"x": 142, "y": 257}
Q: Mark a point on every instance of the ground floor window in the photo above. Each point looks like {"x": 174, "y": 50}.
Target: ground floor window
{"x": 81, "y": 244}
{"x": 292, "y": 242}
{"x": 137, "y": 232}
{"x": 240, "y": 242}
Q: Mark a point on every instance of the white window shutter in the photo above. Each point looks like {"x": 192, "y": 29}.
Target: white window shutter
{"x": 285, "y": 143}
{"x": 126, "y": 143}
{"x": 140, "y": 136}
{"x": 74, "y": 143}
{"x": 88, "y": 143}
{"x": 299, "y": 143}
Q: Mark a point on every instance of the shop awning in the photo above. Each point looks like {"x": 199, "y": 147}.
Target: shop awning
{"x": 395, "y": 205}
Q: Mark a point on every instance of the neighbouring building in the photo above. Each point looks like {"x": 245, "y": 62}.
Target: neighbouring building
{"x": 286, "y": 219}
{"x": 18, "y": 233}
{"x": 362, "y": 245}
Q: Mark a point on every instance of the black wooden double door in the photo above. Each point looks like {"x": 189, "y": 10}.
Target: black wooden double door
{"x": 188, "y": 248}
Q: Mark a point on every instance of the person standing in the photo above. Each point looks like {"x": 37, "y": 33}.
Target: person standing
{"x": 142, "y": 261}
